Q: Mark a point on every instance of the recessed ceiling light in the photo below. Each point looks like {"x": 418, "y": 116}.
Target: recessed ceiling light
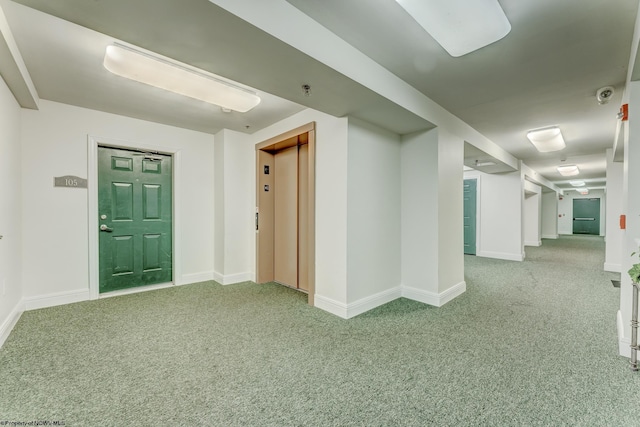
{"x": 547, "y": 139}
{"x": 460, "y": 26}
{"x": 577, "y": 183}
{"x": 178, "y": 78}
{"x": 569, "y": 170}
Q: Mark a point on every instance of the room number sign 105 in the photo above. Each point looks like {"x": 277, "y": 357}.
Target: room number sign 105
{"x": 69, "y": 181}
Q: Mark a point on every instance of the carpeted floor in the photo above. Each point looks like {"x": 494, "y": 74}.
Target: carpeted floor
{"x": 530, "y": 343}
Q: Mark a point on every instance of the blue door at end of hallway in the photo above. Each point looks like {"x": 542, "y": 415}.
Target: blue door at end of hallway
{"x": 469, "y": 194}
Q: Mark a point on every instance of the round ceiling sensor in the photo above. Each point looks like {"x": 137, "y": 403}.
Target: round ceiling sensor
{"x": 604, "y": 94}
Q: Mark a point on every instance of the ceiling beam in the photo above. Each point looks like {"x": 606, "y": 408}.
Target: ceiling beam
{"x": 285, "y": 22}
{"x": 13, "y": 69}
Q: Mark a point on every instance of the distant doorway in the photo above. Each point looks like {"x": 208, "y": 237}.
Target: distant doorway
{"x": 469, "y": 194}
{"x": 586, "y": 216}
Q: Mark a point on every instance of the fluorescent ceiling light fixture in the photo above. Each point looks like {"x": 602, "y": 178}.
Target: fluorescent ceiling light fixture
{"x": 482, "y": 163}
{"x": 460, "y": 26}
{"x": 547, "y": 139}
{"x": 178, "y": 78}
{"x": 569, "y": 170}
{"x": 577, "y": 183}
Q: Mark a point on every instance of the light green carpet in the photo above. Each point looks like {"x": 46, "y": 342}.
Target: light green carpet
{"x": 529, "y": 344}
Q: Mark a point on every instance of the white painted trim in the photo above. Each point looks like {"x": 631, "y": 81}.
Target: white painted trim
{"x": 369, "y": 303}
{"x": 10, "y": 322}
{"x": 55, "y": 299}
{"x": 624, "y": 344}
{"x": 136, "y": 290}
{"x": 550, "y": 236}
{"x": 218, "y": 278}
{"x": 501, "y": 255}
{"x": 452, "y": 292}
{"x": 331, "y": 306}
{"x": 93, "y": 223}
{"x": 420, "y": 295}
{"x": 533, "y": 243}
{"x": 614, "y": 268}
{"x": 189, "y": 279}
{"x": 231, "y": 279}
{"x": 433, "y": 298}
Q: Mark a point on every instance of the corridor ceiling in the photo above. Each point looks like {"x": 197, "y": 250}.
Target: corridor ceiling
{"x": 546, "y": 71}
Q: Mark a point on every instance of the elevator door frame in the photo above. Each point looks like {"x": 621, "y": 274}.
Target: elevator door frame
{"x": 264, "y": 214}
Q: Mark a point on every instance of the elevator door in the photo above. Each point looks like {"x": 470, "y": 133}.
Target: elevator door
{"x": 285, "y": 207}
{"x": 285, "y": 189}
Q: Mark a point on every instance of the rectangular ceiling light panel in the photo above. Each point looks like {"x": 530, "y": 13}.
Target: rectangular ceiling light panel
{"x": 460, "y": 26}
{"x": 569, "y": 170}
{"x": 547, "y": 139}
{"x": 176, "y": 78}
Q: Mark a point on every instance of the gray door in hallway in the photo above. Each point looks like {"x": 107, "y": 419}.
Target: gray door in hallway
{"x": 469, "y": 194}
{"x": 586, "y": 216}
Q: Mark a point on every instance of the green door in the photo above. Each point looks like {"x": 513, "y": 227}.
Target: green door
{"x": 134, "y": 209}
{"x": 586, "y": 216}
{"x": 470, "y": 216}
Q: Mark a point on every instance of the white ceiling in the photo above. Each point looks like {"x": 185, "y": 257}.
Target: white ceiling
{"x": 544, "y": 72}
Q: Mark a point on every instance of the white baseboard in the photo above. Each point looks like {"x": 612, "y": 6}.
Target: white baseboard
{"x": 533, "y": 242}
{"x": 231, "y": 279}
{"x": 188, "y": 279}
{"x": 347, "y": 311}
{"x": 330, "y": 305}
{"x": 501, "y": 255}
{"x": 624, "y": 343}
{"x": 59, "y": 298}
{"x": 7, "y": 326}
{"x": 136, "y": 290}
{"x": 614, "y": 268}
{"x": 373, "y": 301}
{"x": 550, "y": 236}
{"x": 433, "y": 298}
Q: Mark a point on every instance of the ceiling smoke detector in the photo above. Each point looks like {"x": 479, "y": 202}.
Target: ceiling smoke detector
{"x": 604, "y": 94}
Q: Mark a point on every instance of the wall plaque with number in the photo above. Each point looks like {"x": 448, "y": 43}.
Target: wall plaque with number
{"x": 69, "y": 181}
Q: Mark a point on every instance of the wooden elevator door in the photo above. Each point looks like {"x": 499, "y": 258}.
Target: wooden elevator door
{"x": 285, "y": 210}
{"x": 285, "y": 248}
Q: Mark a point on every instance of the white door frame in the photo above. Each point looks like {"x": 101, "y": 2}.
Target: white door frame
{"x": 94, "y": 245}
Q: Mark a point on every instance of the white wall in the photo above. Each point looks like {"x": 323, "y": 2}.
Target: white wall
{"x": 331, "y": 203}
{"x": 432, "y": 217}
{"x": 373, "y": 211}
{"x": 499, "y": 215}
{"x": 550, "y": 215}
{"x": 451, "y": 214}
{"x": 10, "y": 212}
{"x": 532, "y": 214}
{"x": 55, "y": 231}
{"x": 219, "y": 248}
{"x": 615, "y": 236}
{"x": 631, "y": 207}
{"x": 234, "y": 184}
{"x": 565, "y": 210}
{"x": 419, "y": 213}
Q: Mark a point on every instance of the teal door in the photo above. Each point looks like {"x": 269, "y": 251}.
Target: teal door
{"x": 134, "y": 209}
{"x": 470, "y": 216}
{"x": 586, "y": 216}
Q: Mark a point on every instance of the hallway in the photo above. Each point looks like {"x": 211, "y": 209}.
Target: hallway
{"x": 530, "y": 343}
